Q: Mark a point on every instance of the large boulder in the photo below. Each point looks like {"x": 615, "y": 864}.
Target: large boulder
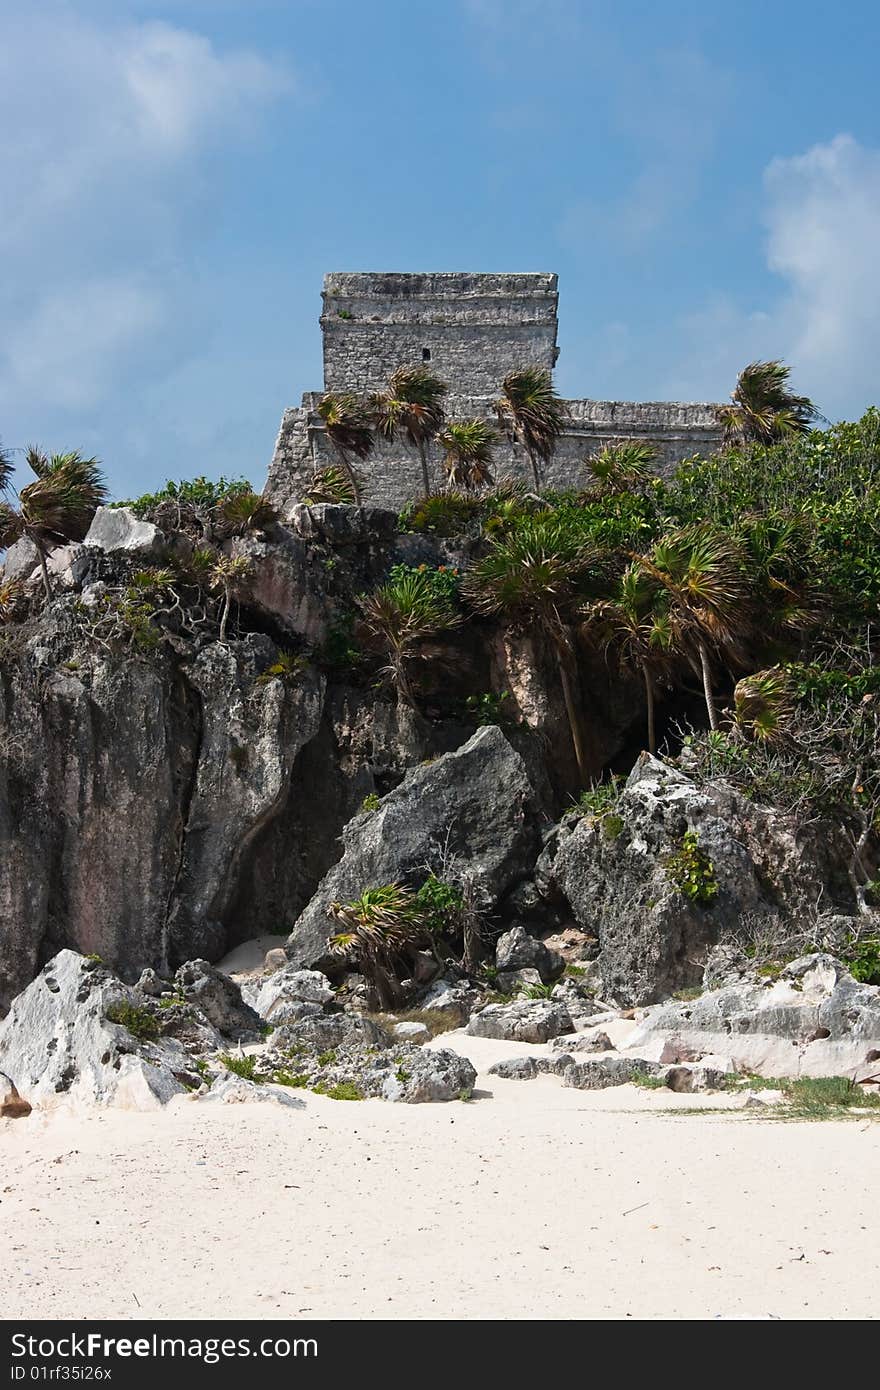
{"x": 616, "y": 872}
{"x": 473, "y": 808}
{"x": 290, "y": 986}
{"x": 527, "y": 1020}
{"x": 219, "y": 999}
{"x": 813, "y": 1020}
{"x": 59, "y": 1042}
{"x": 118, "y": 529}
{"x": 517, "y": 950}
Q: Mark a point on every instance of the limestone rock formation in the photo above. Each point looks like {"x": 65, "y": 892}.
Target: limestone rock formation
{"x": 616, "y": 871}
{"x": 527, "y": 1020}
{"x": 474, "y": 806}
{"x": 813, "y": 1020}
{"x": 59, "y": 1043}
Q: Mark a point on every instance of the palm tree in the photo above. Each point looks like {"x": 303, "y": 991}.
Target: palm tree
{"x": 764, "y": 409}
{"x": 7, "y": 468}
{"x": 331, "y": 484}
{"x": 763, "y": 705}
{"x": 349, "y": 428}
{"x": 244, "y": 511}
{"x": 702, "y": 573}
{"x": 400, "y": 615}
{"x": 634, "y": 622}
{"x": 413, "y": 404}
{"x": 533, "y": 413}
{"x": 58, "y": 507}
{"x": 536, "y": 574}
{"x": 622, "y": 466}
{"x": 468, "y": 448}
{"x": 230, "y": 575}
{"x": 377, "y": 928}
{"x": 11, "y": 594}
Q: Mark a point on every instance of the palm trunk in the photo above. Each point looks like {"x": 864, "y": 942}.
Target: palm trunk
{"x": 563, "y": 652}
{"x": 534, "y": 462}
{"x": 423, "y": 459}
{"x": 44, "y": 570}
{"x": 224, "y": 617}
{"x": 649, "y": 699}
{"x": 707, "y": 686}
{"x": 350, "y": 473}
{"x": 401, "y": 680}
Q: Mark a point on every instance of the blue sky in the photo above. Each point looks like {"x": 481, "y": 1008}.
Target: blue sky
{"x": 177, "y": 177}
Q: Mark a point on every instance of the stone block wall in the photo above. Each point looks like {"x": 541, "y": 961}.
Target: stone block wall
{"x": 469, "y": 329}
{"x": 393, "y": 473}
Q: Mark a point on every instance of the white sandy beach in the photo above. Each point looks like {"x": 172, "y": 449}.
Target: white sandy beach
{"x": 536, "y": 1201}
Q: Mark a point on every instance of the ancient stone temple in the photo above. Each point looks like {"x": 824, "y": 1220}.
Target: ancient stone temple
{"x": 471, "y": 330}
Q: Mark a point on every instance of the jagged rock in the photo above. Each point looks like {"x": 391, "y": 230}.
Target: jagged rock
{"x": 12, "y": 1105}
{"x": 21, "y": 561}
{"x": 475, "y": 804}
{"x": 291, "y": 986}
{"x": 151, "y": 985}
{"x": 88, "y": 859}
{"x": 58, "y": 1044}
{"x": 284, "y": 586}
{"x": 578, "y": 999}
{"x": 814, "y": 1020}
{"x": 533, "y": 1021}
{"x": 341, "y": 525}
{"x": 430, "y": 1075}
{"x": 515, "y": 1069}
{"x": 118, "y": 529}
{"x": 614, "y": 873}
{"x": 276, "y": 959}
{"x": 452, "y": 997}
{"x": 593, "y": 1041}
{"x": 515, "y": 981}
{"x": 601, "y": 1072}
{"x": 332, "y": 1030}
{"x": 726, "y": 965}
{"x": 236, "y": 1090}
{"x": 516, "y": 949}
{"x": 219, "y": 999}
{"x": 412, "y": 1032}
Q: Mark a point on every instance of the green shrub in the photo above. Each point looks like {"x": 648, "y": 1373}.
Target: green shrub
{"x": 601, "y": 798}
{"x": 343, "y": 1090}
{"x": 139, "y": 1021}
{"x": 202, "y": 493}
{"x": 286, "y": 667}
{"x": 371, "y": 802}
{"x": 440, "y": 905}
{"x": 488, "y": 708}
{"x": 692, "y": 872}
{"x": 442, "y": 514}
{"x": 245, "y": 1067}
{"x": 862, "y": 959}
{"x": 286, "y": 1078}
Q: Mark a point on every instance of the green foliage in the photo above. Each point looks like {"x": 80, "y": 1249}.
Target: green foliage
{"x": 139, "y": 1021}
{"x": 204, "y": 494}
{"x": 287, "y": 1078}
{"x": 245, "y": 1067}
{"x": 647, "y": 1082}
{"x": 440, "y": 905}
{"x": 824, "y": 1097}
{"x": 286, "y": 667}
{"x": 468, "y": 446}
{"x": 342, "y": 1090}
{"x": 862, "y": 957}
{"x": 328, "y": 1058}
{"x": 442, "y": 514}
{"x": 692, "y": 872}
{"x": 596, "y": 801}
{"x": 435, "y": 590}
{"x": 488, "y": 708}
{"x": 371, "y": 802}
{"x": 339, "y": 652}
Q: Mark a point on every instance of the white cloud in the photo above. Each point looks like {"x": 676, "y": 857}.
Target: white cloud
{"x": 101, "y": 169}
{"x": 822, "y": 219}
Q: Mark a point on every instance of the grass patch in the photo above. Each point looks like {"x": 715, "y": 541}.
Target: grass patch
{"x": 139, "y": 1022}
{"x": 286, "y": 1078}
{"x": 328, "y": 1058}
{"x": 343, "y": 1090}
{"x": 435, "y": 1020}
{"x": 684, "y": 996}
{"x": 647, "y": 1081}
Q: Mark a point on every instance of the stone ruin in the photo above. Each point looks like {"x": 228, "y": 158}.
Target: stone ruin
{"x": 471, "y": 330}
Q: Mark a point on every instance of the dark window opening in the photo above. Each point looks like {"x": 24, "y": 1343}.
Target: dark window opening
{"x": 426, "y": 354}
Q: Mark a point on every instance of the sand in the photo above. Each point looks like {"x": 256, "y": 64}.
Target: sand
{"x": 530, "y": 1201}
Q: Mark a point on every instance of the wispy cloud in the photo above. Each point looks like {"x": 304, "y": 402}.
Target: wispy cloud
{"x": 101, "y": 184}
{"x": 822, "y": 214}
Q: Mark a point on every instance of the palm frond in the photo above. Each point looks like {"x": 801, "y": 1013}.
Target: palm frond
{"x": 468, "y": 446}
{"x": 530, "y": 407}
{"x": 331, "y": 484}
{"x": 764, "y": 409}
